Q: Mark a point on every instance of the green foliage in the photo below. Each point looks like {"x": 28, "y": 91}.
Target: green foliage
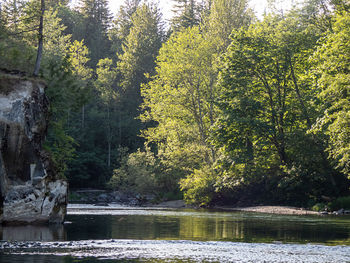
{"x": 259, "y": 130}
{"x": 139, "y": 172}
{"x": 141, "y": 48}
{"x": 319, "y": 207}
{"x": 187, "y": 14}
{"x": 14, "y": 51}
{"x": 199, "y": 187}
{"x": 73, "y": 21}
{"x": 180, "y": 100}
{"x": 122, "y": 25}
{"x": 225, "y": 16}
{"x": 56, "y": 42}
{"x": 267, "y": 108}
{"x": 332, "y": 60}
{"x": 106, "y": 77}
{"x": 74, "y": 197}
{"x": 88, "y": 169}
{"x": 97, "y": 19}
{"x": 16, "y": 54}
{"x": 108, "y": 121}
{"x": 60, "y": 146}
{"x": 64, "y": 93}
{"x": 10, "y": 13}
{"x": 56, "y": 3}
{"x": 173, "y": 195}
{"x": 340, "y": 203}
{"x": 64, "y": 90}
{"x": 78, "y": 59}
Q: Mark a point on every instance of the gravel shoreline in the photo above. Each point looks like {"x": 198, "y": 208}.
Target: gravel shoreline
{"x": 180, "y": 204}
{"x": 280, "y": 210}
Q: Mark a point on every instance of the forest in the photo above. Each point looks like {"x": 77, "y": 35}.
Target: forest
{"x": 215, "y": 106}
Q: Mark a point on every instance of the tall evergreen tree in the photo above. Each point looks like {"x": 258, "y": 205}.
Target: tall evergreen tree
{"x": 122, "y": 24}
{"x": 110, "y": 116}
{"x": 56, "y": 3}
{"x": 40, "y": 39}
{"x": 11, "y": 11}
{"x": 186, "y": 14}
{"x": 97, "y": 20}
{"x": 141, "y": 47}
{"x": 137, "y": 58}
{"x": 105, "y": 84}
{"x": 225, "y": 16}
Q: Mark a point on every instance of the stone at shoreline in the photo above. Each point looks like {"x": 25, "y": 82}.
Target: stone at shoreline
{"x": 281, "y": 210}
{"x": 97, "y": 197}
{"x": 30, "y": 190}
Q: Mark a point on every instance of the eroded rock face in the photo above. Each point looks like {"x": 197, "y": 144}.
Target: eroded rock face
{"x": 30, "y": 191}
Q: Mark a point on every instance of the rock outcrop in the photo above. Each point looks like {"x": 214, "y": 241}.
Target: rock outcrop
{"x": 30, "y": 191}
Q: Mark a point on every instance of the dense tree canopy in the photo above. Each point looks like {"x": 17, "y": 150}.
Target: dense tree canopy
{"x": 180, "y": 100}
{"x": 221, "y": 107}
{"x": 97, "y": 19}
{"x": 187, "y": 14}
{"x": 332, "y": 60}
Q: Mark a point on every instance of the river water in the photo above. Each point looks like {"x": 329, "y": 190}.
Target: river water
{"x": 123, "y": 234}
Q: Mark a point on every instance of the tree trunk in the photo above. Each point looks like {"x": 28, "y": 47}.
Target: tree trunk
{"x": 316, "y": 140}
{"x": 0, "y": 12}
{"x": 41, "y": 38}
{"x": 109, "y": 154}
{"x": 120, "y": 127}
{"x": 109, "y": 136}
{"x": 83, "y": 117}
{"x": 300, "y": 99}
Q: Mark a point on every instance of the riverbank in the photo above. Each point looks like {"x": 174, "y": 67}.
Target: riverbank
{"x": 280, "y": 210}
{"x": 103, "y": 198}
{"x": 119, "y": 233}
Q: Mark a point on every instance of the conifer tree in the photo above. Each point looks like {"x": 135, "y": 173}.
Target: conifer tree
{"x": 187, "y": 14}
{"x": 40, "y": 38}
{"x": 56, "y": 3}
{"x": 122, "y": 24}
{"x": 225, "y": 16}
{"x": 11, "y": 12}
{"x": 97, "y": 20}
{"x": 137, "y": 59}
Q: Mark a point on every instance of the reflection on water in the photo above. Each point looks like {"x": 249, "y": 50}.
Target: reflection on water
{"x": 65, "y": 259}
{"x": 198, "y": 225}
{"x": 120, "y": 234}
{"x": 33, "y": 233}
{"x": 31, "y": 259}
{"x": 206, "y": 225}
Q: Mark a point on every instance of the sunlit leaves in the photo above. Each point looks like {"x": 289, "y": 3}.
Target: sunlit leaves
{"x": 333, "y": 69}
{"x": 78, "y": 58}
{"x": 106, "y": 77}
{"x": 180, "y": 97}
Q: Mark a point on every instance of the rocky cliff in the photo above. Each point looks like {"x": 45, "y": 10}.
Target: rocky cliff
{"x": 30, "y": 191}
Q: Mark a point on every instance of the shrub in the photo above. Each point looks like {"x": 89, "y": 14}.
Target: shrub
{"x": 319, "y": 207}
{"x": 339, "y": 203}
{"x": 138, "y": 172}
{"x": 199, "y": 186}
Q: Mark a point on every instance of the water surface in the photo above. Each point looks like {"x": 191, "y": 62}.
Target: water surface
{"x": 124, "y": 234}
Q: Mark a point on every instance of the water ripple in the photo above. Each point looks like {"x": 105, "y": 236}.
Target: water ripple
{"x": 212, "y": 251}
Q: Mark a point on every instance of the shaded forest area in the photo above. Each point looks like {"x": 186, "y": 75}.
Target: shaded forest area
{"x": 218, "y": 107}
